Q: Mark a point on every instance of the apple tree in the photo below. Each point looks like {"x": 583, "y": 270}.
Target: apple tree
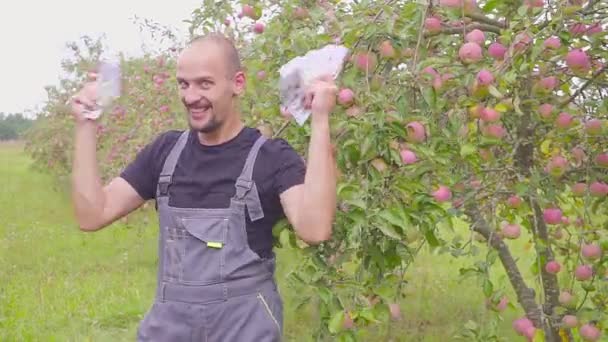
{"x": 492, "y": 113}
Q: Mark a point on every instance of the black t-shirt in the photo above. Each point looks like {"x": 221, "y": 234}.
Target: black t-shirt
{"x": 205, "y": 176}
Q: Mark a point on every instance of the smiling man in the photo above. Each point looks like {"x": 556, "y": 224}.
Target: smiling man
{"x": 219, "y": 188}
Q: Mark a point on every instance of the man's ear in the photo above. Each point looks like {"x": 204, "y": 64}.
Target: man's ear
{"x": 239, "y": 83}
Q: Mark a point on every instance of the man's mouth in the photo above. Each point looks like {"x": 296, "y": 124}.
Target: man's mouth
{"x": 199, "y": 112}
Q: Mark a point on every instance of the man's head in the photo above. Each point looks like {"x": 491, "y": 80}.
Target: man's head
{"x": 210, "y": 78}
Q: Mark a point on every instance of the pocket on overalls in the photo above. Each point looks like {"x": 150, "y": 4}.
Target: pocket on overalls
{"x": 204, "y": 250}
{"x": 272, "y": 305}
{"x": 173, "y": 253}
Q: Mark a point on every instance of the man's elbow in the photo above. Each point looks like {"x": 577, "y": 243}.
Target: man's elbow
{"x": 88, "y": 226}
{"x": 87, "y": 221}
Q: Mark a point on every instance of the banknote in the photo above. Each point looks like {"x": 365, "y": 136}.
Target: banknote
{"x": 109, "y": 87}
{"x": 297, "y": 74}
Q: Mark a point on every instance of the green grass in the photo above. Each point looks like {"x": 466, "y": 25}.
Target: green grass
{"x": 60, "y": 284}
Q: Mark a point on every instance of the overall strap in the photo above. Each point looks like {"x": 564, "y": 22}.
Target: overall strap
{"x": 166, "y": 175}
{"x": 246, "y": 188}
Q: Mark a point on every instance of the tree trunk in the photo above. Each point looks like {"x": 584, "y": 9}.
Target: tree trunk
{"x": 524, "y": 159}
{"x": 550, "y": 284}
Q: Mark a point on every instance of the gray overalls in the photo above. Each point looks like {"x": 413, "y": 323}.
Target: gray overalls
{"x": 211, "y": 286}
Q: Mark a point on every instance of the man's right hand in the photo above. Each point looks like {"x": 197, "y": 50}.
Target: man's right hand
{"x": 85, "y": 100}
{"x": 96, "y": 205}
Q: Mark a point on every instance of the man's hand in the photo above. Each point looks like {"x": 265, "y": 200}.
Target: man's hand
{"x": 321, "y": 96}
{"x": 85, "y": 99}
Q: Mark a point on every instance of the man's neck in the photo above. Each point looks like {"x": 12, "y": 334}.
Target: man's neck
{"x": 225, "y": 133}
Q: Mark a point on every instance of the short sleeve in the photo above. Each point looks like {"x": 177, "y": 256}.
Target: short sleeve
{"x": 291, "y": 168}
{"x": 142, "y": 173}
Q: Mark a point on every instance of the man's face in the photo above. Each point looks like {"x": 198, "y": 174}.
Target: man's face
{"x": 207, "y": 86}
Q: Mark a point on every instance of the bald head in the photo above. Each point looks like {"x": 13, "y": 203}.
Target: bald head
{"x": 216, "y": 40}
{"x": 210, "y": 80}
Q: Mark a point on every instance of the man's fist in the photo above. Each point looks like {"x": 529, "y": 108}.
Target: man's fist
{"x": 321, "y": 96}
{"x": 85, "y": 99}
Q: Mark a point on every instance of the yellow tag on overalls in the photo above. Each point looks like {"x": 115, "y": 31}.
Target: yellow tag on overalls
{"x": 214, "y": 244}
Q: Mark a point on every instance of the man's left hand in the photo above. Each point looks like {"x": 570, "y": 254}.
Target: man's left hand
{"x": 321, "y": 96}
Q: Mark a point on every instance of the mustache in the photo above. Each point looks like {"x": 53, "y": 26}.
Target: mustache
{"x": 204, "y": 103}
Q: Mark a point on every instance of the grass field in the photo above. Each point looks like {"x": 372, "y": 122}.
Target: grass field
{"x": 60, "y": 284}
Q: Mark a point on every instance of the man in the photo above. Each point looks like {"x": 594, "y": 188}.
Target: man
{"x": 219, "y": 188}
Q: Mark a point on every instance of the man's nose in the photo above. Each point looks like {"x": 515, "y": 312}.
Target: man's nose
{"x": 191, "y": 96}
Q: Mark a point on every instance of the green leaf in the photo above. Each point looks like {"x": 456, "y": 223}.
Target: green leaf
{"x": 324, "y": 294}
{"x": 335, "y": 323}
{"x": 495, "y": 92}
{"x": 467, "y": 150}
{"x": 303, "y": 301}
{"x": 539, "y": 336}
{"x": 488, "y": 288}
{"x": 471, "y": 325}
{"x": 369, "y": 316}
{"x": 395, "y": 216}
{"x": 490, "y": 5}
{"x": 284, "y": 238}
{"x": 389, "y": 231}
{"x": 429, "y": 96}
{"x": 431, "y": 238}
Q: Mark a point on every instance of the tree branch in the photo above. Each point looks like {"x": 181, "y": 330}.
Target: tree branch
{"x": 525, "y": 294}
{"x": 550, "y": 284}
{"x": 467, "y": 28}
{"x": 486, "y": 20}
{"x": 584, "y": 86}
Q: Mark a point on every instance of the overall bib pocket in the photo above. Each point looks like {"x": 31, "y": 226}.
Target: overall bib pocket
{"x": 195, "y": 250}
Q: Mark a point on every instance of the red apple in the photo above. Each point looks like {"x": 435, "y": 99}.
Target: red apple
{"x": 553, "y": 267}
{"x": 579, "y": 189}
{"x": 602, "y": 159}
{"x": 590, "y": 332}
{"x": 470, "y": 53}
{"x": 408, "y": 157}
{"x": 593, "y": 127}
{"x": 494, "y": 131}
{"x": 552, "y": 43}
{"x": 514, "y": 201}
{"x": 552, "y": 216}
{"x": 442, "y": 194}
{"x": 258, "y": 28}
{"x": 432, "y": 24}
{"x": 570, "y": 321}
{"x": 416, "y": 132}
{"x": 476, "y": 36}
{"x": 346, "y": 97}
{"x": 497, "y": 51}
{"x": 565, "y": 298}
{"x": 301, "y": 13}
{"x": 557, "y": 166}
{"x": 578, "y": 61}
{"x": 598, "y": 189}
{"x": 387, "y": 50}
{"x": 485, "y": 77}
{"x": 583, "y": 272}
{"x": 511, "y": 231}
{"x": 521, "y": 324}
{"x": 591, "y": 251}
{"x": 490, "y": 115}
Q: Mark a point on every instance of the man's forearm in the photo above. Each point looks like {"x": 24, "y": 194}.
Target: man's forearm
{"x": 87, "y": 189}
{"x": 318, "y": 212}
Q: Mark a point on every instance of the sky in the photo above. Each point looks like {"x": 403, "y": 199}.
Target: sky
{"x": 34, "y": 35}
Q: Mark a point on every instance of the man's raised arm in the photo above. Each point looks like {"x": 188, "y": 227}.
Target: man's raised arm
{"x": 95, "y": 205}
